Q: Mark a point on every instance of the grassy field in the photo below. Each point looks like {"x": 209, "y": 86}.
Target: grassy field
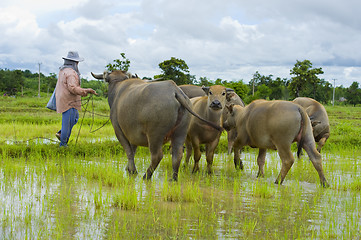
{"x": 84, "y": 192}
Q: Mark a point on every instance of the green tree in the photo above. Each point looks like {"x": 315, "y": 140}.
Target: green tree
{"x": 119, "y": 64}
{"x": 219, "y": 81}
{"x": 276, "y": 88}
{"x": 340, "y": 94}
{"x": 204, "y": 81}
{"x": 11, "y": 81}
{"x": 323, "y": 91}
{"x": 304, "y": 74}
{"x": 354, "y": 94}
{"x": 258, "y": 80}
{"x": 263, "y": 92}
{"x": 48, "y": 83}
{"x": 176, "y": 70}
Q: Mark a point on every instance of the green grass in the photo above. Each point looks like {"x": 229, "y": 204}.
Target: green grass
{"x": 84, "y": 192}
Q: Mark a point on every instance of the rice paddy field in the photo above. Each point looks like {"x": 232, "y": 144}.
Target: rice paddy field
{"x": 84, "y": 192}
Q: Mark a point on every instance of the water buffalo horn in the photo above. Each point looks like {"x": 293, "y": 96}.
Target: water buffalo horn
{"x": 97, "y": 76}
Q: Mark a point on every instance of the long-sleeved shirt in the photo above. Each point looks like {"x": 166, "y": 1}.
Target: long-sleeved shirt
{"x": 68, "y": 91}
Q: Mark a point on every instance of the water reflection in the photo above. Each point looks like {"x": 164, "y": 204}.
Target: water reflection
{"x": 71, "y": 199}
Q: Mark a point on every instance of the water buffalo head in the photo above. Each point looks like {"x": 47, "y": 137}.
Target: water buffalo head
{"x": 217, "y": 96}
{"x": 116, "y": 75}
{"x": 231, "y": 118}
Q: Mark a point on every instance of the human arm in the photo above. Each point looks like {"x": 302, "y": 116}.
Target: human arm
{"x": 73, "y": 85}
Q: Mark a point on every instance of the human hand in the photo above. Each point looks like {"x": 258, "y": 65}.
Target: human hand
{"x": 91, "y": 91}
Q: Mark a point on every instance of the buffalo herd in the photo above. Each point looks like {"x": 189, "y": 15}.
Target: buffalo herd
{"x": 150, "y": 114}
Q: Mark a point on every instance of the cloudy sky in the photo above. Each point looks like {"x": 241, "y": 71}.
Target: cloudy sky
{"x": 227, "y": 39}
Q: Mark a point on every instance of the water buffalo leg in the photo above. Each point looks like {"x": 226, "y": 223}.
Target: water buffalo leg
{"x": 231, "y": 136}
{"x": 131, "y": 164}
{"x": 177, "y": 154}
{"x": 260, "y": 161}
{"x": 196, "y": 156}
{"x": 316, "y": 159}
{"x": 287, "y": 162}
{"x": 237, "y": 159}
{"x": 188, "y": 151}
{"x": 129, "y": 149}
{"x": 210, "y": 147}
{"x": 156, "y": 154}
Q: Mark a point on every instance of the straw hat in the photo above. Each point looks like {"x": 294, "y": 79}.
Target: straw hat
{"x": 73, "y": 56}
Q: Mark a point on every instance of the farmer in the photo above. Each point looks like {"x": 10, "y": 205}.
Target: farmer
{"x": 68, "y": 95}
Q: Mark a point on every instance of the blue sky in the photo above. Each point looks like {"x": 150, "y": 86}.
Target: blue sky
{"x": 228, "y": 39}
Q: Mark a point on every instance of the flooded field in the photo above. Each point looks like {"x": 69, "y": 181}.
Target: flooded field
{"x": 87, "y": 197}
{"x": 84, "y": 192}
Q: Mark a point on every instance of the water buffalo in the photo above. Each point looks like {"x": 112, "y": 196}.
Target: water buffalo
{"x": 232, "y": 98}
{"x": 211, "y": 108}
{"x": 148, "y": 114}
{"x": 319, "y": 119}
{"x": 274, "y": 125}
{"x": 192, "y": 90}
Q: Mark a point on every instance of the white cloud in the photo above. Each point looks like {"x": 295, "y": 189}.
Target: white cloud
{"x": 16, "y": 23}
{"x": 41, "y": 6}
{"x": 243, "y": 32}
{"x": 218, "y": 39}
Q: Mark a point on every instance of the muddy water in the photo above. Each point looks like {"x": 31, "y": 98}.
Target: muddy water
{"x": 76, "y": 199}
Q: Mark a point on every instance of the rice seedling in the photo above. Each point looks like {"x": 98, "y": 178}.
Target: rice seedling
{"x": 84, "y": 191}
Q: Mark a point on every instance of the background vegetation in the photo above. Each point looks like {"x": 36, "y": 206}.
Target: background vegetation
{"x": 304, "y": 81}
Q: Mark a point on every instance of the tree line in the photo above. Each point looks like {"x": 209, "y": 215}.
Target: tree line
{"x": 304, "y": 81}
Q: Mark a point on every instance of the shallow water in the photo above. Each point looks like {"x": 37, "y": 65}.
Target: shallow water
{"x": 77, "y": 199}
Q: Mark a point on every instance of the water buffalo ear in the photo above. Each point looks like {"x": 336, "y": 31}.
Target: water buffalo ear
{"x": 315, "y": 123}
{"x": 205, "y": 89}
{"x": 230, "y": 95}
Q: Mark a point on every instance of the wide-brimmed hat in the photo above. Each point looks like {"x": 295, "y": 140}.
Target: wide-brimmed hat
{"x": 73, "y": 56}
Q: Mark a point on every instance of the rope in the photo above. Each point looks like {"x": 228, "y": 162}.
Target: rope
{"x": 93, "y": 114}
{"x": 91, "y": 96}
{"x": 85, "y": 111}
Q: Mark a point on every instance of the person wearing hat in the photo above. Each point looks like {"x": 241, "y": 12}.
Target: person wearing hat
{"x": 68, "y": 95}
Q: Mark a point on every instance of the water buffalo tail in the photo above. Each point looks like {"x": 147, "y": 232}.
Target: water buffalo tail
{"x": 302, "y": 131}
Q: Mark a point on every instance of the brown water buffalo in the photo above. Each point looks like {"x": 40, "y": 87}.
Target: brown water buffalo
{"x": 211, "y": 108}
{"x": 148, "y": 114}
{"x": 319, "y": 119}
{"x": 232, "y": 98}
{"x": 274, "y": 125}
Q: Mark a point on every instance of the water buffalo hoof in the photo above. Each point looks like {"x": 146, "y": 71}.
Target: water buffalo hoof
{"x": 147, "y": 175}
{"x": 239, "y": 166}
{"x": 132, "y": 172}
{"x": 175, "y": 177}
{"x": 195, "y": 168}
{"x": 277, "y": 182}
{"x": 325, "y": 184}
